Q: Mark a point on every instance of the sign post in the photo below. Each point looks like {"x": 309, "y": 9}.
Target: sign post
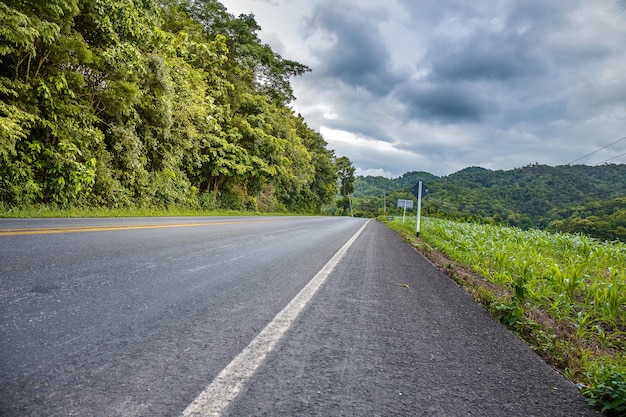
{"x": 419, "y": 210}
{"x": 419, "y": 190}
{"x": 406, "y": 204}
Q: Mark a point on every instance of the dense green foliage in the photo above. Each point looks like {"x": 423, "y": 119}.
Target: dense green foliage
{"x": 604, "y": 219}
{"x": 564, "y": 294}
{"x": 122, "y": 103}
{"x": 575, "y": 198}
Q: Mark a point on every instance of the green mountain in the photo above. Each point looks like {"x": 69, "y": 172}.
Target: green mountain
{"x": 372, "y": 186}
{"x": 575, "y": 198}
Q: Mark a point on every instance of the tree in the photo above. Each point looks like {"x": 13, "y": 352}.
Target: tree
{"x": 323, "y": 187}
{"x": 345, "y": 174}
{"x": 263, "y": 68}
{"x": 150, "y": 103}
{"x": 48, "y": 137}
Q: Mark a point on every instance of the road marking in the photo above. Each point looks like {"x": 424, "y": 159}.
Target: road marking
{"x": 227, "y": 385}
{"x": 85, "y": 229}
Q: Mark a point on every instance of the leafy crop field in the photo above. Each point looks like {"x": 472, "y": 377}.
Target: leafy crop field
{"x": 564, "y": 294}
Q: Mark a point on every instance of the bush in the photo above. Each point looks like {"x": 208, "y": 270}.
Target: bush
{"x": 608, "y": 390}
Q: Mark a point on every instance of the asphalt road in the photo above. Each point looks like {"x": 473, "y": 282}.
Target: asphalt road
{"x": 141, "y": 317}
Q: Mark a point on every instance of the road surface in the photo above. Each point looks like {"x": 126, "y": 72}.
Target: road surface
{"x": 276, "y": 316}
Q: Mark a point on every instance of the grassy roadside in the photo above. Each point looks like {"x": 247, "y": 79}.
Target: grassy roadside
{"x": 75, "y": 212}
{"x": 565, "y": 295}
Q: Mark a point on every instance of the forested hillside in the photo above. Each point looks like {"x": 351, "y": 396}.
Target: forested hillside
{"x": 151, "y": 103}
{"x": 577, "y": 198}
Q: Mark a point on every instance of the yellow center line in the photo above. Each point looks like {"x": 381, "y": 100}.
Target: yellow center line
{"x": 85, "y": 229}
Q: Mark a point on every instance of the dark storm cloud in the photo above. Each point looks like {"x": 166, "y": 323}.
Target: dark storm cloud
{"x": 475, "y": 54}
{"x": 358, "y": 56}
{"x": 442, "y": 103}
{"x": 484, "y": 56}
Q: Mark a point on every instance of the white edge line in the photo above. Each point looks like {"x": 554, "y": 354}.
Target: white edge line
{"x": 227, "y": 385}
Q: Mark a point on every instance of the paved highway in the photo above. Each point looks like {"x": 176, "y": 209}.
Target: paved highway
{"x": 279, "y": 316}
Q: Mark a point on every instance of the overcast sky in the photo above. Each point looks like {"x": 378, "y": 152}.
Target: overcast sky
{"x": 441, "y": 85}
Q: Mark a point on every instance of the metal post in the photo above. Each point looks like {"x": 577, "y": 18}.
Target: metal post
{"x": 419, "y": 209}
{"x": 404, "y": 214}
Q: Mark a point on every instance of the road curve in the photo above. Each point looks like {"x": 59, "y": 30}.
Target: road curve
{"x": 136, "y": 317}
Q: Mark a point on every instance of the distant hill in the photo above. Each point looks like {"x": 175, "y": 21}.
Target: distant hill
{"x": 580, "y": 198}
{"x": 371, "y": 186}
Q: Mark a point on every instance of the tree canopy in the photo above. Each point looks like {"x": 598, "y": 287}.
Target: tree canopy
{"x": 151, "y": 103}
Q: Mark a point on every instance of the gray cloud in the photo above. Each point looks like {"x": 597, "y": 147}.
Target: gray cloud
{"x": 599, "y": 98}
{"x": 484, "y": 56}
{"x": 448, "y": 103}
{"x": 439, "y": 85}
{"x": 478, "y": 53}
{"x": 358, "y": 56}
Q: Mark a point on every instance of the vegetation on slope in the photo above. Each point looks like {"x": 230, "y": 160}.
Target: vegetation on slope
{"x": 151, "y": 103}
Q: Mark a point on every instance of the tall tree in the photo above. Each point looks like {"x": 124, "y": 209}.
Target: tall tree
{"x": 323, "y": 188}
{"x": 345, "y": 172}
{"x": 263, "y": 68}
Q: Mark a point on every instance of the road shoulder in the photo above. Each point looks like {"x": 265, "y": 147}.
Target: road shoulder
{"x": 389, "y": 334}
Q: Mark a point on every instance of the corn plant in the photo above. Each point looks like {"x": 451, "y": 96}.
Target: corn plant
{"x": 579, "y": 281}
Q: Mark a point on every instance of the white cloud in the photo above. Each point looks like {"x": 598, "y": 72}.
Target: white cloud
{"x": 373, "y": 173}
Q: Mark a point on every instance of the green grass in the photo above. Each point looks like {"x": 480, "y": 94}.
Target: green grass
{"x": 44, "y": 211}
{"x": 564, "y": 294}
